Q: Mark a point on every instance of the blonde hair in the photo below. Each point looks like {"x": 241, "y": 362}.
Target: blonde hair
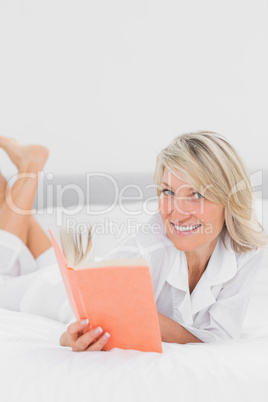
{"x": 209, "y": 162}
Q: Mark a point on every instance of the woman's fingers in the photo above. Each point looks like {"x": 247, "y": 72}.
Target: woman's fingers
{"x": 99, "y": 344}
{"x": 85, "y": 340}
{"x": 75, "y": 330}
{"x": 90, "y": 340}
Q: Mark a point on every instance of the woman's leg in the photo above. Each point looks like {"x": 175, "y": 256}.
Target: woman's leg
{"x": 41, "y": 291}
{"x": 17, "y": 204}
{"x": 3, "y": 189}
{"x": 38, "y": 241}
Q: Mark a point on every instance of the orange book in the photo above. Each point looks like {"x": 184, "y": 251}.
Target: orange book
{"x": 116, "y": 295}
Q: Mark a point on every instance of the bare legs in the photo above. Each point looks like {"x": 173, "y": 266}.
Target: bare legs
{"x": 22, "y": 286}
{"x": 16, "y": 203}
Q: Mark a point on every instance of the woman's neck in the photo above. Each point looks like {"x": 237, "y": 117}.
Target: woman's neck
{"x": 197, "y": 260}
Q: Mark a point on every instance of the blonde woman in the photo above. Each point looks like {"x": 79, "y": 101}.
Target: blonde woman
{"x": 203, "y": 246}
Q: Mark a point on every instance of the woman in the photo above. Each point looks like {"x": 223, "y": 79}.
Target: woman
{"x": 204, "y": 256}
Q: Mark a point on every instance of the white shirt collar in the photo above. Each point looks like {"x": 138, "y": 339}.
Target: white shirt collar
{"x": 222, "y": 267}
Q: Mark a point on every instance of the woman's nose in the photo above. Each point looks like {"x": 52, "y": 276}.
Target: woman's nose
{"x": 178, "y": 207}
{"x": 182, "y": 207}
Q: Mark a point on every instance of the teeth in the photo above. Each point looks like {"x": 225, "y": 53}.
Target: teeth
{"x": 185, "y": 228}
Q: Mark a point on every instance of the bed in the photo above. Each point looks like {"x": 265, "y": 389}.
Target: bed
{"x": 35, "y": 368}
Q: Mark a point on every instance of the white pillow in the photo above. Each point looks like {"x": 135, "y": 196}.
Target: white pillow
{"x": 111, "y": 225}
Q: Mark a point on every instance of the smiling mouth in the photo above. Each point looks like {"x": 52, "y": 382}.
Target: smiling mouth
{"x": 186, "y": 228}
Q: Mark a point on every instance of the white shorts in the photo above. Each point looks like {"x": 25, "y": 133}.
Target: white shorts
{"x": 31, "y": 285}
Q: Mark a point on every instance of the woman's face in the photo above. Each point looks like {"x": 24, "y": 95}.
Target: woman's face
{"x": 191, "y": 221}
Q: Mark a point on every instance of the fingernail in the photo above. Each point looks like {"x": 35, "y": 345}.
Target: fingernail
{"x": 84, "y": 322}
{"x": 106, "y": 335}
{"x": 98, "y": 330}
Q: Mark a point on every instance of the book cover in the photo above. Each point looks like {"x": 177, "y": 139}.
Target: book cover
{"x": 116, "y": 295}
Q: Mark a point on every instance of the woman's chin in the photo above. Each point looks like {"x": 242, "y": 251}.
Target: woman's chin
{"x": 187, "y": 241}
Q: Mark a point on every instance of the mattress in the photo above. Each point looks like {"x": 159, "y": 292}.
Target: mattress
{"x": 34, "y": 367}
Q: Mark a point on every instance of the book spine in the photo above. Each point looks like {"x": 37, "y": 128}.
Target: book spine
{"x": 81, "y": 311}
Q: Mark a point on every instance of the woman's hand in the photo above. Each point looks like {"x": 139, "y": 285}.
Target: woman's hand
{"x": 92, "y": 340}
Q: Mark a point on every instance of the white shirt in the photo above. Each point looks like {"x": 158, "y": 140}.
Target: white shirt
{"x": 216, "y": 308}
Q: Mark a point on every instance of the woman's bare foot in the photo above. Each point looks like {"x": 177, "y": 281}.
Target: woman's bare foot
{"x": 27, "y": 158}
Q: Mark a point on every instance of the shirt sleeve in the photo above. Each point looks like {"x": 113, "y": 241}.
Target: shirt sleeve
{"x": 126, "y": 249}
{"x": 226, "y": 316}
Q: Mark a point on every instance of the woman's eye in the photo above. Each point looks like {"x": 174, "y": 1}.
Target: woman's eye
{"x": 197, "y": 195}
{"x": 165, "y": 191}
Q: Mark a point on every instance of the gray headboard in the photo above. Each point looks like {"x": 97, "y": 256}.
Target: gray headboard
{"x": 93, "y": 188}
{"x": 104, "y": 188}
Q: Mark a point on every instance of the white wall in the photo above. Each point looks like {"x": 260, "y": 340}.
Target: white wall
{"x": 107, "y": 84}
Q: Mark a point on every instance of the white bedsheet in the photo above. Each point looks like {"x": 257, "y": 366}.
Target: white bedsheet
{"x": 35, "y": 368}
